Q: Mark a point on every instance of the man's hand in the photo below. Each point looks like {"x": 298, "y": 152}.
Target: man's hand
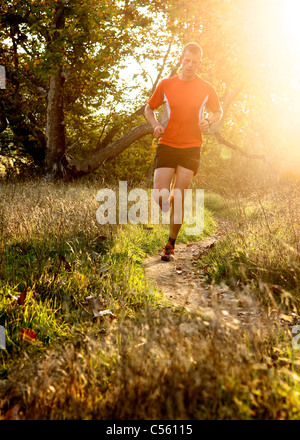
{"x": 203, "y": 125}
{"x": 151, "y": 118}
{"x": 158, "y": 131}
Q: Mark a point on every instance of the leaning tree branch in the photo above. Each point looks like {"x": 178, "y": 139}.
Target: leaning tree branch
{"x": 76, "y": 168}
{"x": 222, "y": 140}
{"x": 91, "y": 163}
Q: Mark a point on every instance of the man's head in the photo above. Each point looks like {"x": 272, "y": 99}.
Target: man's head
{"x": 194, "y": 48}
{"x": 190, "y": 60}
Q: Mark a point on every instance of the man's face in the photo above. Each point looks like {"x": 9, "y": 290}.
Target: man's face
{"x": 190, "y": 64}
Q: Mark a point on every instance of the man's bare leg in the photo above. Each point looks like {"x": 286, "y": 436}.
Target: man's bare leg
{"x": 162, "y": 180}
{"x": 182, "y": 181}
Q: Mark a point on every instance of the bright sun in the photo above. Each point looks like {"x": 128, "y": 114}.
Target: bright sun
{"x": 289, "y": 29}
{"x": 274, "y": 33}
{"x": 272, "y": 46}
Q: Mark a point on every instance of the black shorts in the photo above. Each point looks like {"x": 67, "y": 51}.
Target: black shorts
{"x": 171, "y": 157}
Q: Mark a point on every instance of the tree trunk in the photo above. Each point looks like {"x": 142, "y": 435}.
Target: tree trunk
{"x": 55, "y": 160}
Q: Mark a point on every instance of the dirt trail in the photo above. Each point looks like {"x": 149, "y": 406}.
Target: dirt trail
{"x": 183, "y": 283}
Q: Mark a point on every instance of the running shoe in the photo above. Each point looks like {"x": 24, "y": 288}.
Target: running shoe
{"x": 168, "y": 254}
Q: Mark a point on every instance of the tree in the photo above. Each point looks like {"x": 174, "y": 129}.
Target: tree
{"x": 63, "y": 61}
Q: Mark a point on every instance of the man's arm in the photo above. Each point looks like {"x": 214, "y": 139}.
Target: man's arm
{"x": 151, "y": 118}
{"x": 204, "y": 124}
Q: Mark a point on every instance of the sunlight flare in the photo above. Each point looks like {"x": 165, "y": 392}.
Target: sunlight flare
{"x": 289, "y": 13}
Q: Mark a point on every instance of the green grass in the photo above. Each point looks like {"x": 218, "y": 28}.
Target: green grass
{"x": 262, "y": 248}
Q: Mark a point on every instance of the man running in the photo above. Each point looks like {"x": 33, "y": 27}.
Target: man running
{"x": 184, "y": 98}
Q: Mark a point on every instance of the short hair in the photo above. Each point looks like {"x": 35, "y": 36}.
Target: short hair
{"x": 194, "y": 48}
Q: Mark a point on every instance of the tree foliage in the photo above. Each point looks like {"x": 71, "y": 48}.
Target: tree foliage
{"x": 68, "y": 105}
